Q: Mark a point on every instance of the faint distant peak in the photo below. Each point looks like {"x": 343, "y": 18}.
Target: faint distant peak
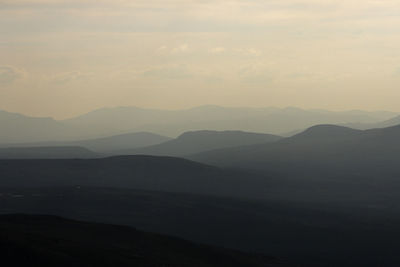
{"x": 394, "y": 120}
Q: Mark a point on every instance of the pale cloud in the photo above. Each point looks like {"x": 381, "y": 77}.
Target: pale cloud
{"x": 9, "y": 74}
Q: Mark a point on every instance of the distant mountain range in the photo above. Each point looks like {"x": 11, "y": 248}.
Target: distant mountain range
{"x": 136, "y": 143}
{"x": 175, "y": 122}
{"x": 17, "y": 128}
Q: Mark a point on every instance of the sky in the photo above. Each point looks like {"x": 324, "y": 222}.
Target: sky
{"x": 61, "y": 58}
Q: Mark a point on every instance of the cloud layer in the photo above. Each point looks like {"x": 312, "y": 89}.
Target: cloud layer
{"x": 178, "y": 53}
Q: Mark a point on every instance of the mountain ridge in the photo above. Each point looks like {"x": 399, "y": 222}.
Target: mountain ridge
{"x": 197, "y": 141}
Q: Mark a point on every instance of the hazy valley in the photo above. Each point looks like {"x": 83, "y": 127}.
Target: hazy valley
{"x": 322, "y": 197}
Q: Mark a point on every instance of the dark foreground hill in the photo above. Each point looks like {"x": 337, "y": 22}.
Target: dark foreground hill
{"x": 42, "y": 240}
{"x": 304, "y": 233}
{"x": 61, "y": 152}
{"x": 140, "y": 172}
{"x": 199, "y": 141}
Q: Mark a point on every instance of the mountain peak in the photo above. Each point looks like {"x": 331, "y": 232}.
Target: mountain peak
{"x": 327, "y": 131}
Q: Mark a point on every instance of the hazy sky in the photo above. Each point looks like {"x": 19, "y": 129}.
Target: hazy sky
{"x": 61, "y": 58}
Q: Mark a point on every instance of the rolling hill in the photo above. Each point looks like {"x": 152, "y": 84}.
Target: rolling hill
{"x": 199, "y": 141}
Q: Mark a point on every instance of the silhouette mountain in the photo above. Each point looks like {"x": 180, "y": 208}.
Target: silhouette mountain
{"x": 69, "y": 152}
{"x": 107, "y": 144}
{"x": 302, "y": 232}
{"x": 198, "y": 141}
{"x": 43, "y": 240}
